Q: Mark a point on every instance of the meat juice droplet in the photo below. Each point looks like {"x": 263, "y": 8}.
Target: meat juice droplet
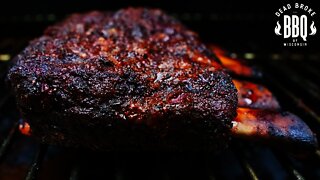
{"x": 159, "y": 77}
{"x": 234, "y": 123}
{"x": 247, "y": 100}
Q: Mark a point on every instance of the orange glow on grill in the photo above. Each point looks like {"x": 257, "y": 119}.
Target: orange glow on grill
{"x": 234, "y": 65}
{"x": 25, "y": 128}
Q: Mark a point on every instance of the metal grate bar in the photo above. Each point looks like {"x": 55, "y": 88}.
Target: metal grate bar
{"x": 35, "y": 166}
{"x": 241, "y": 154}
{"x": 250, "y": 171}
{"x": 306, "y": 70}
{"x": 74, "y": 174}
{"x": 298, "y": 102}
{"x": 7, "y": 141}
{"x": 303, "y": 83}
{"x": 312, "y": 70}
{"x": 297, "y": 175}
{"x": 317, "y": 153}
{"x": 284, "y": 160}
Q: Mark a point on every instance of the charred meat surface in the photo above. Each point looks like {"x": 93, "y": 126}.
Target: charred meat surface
{"x": 131, "y": 79}
{"x": 277, "y": 128}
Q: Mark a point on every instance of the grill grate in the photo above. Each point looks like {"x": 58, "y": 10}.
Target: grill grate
{"x": 296, "y": 84}
{"x": 34, "y": 168}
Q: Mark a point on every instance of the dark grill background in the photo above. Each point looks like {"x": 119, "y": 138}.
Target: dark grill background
{"x": 244, "y": 28}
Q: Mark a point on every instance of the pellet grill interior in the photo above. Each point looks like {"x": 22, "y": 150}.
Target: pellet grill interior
{"x": 292, "y": 74}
